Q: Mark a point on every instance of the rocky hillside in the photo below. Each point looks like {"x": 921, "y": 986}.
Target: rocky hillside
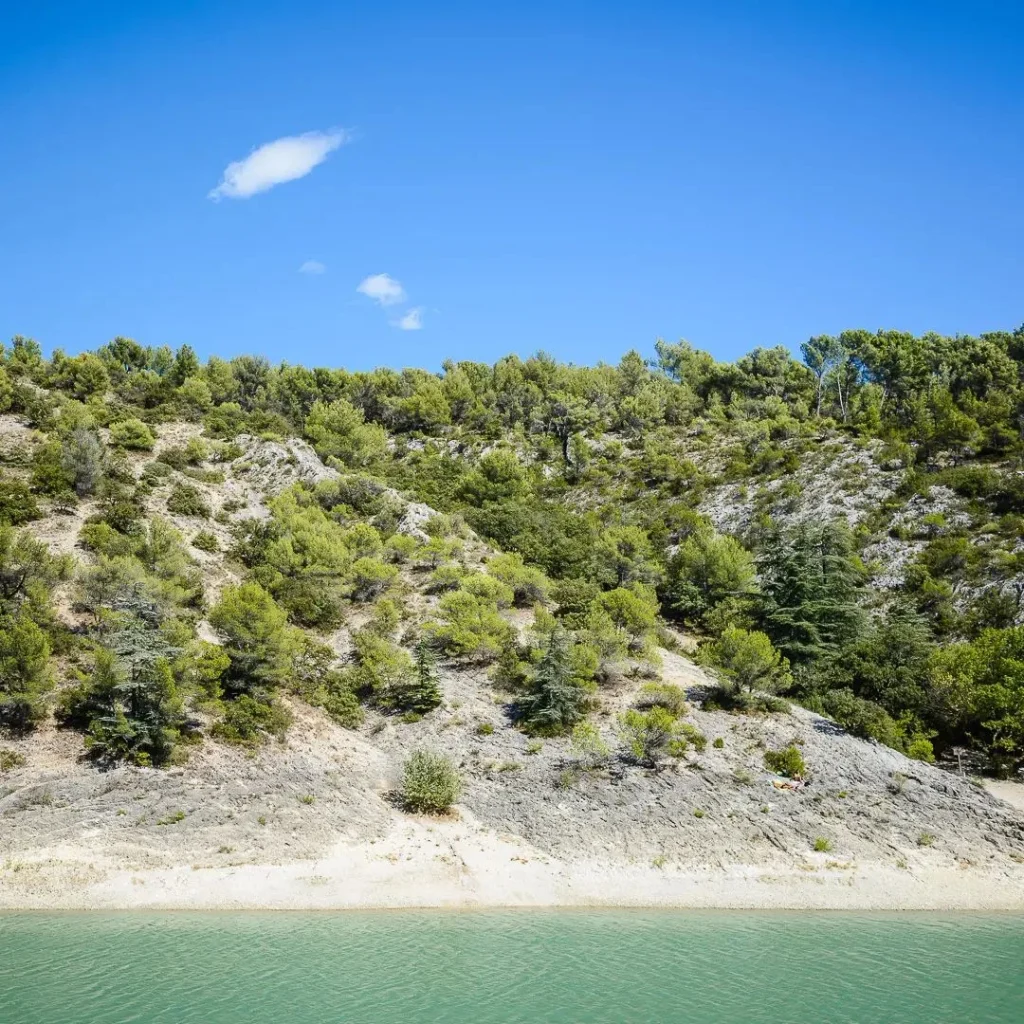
{"x": 545, "y": 815}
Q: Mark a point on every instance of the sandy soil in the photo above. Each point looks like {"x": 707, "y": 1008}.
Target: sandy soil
{"x": 460, "y": 864}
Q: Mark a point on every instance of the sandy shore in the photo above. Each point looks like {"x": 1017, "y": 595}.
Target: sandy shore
{"x": 461, "y": 865}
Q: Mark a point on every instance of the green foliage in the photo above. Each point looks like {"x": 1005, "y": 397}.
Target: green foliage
{"x": 706, "y": 570}
{"x": 257, "y": 640}
{"x": 811, "y": 580}
{"x": 470, "y": 627}
{"x": 131, "y": 434}
{"x": 665, "y": 695}
{"x": 747, "y": 663}
{"x": 187, "y": 500}
{"x": 17, "y": 503}
{"x": 423, "y": 692}
{"x": 588, "y": 746}
{"x": 560, "y": 695}
{"x": 337, "y": 430}
{"x": 624, "y": 555}
{"x": 788, "y": 761}
{"x": 586, "y": 476}
{"x": 979, "y": 686}
{"x": 249, "y": 721}
{"x": 204, "y": 540}
{"x": 10, "y": 759}
{"x": 647, "y": 736}
{"x": 24, "y": 672}
{"x": 130, "y": 707}
{"x": 371, "y": 578}
{"x": 383, "y": 670}
{"x": 529, "y": 585}
{"x": 430, "y": 783}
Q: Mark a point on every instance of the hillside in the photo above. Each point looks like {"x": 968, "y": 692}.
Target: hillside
{"x": 688, "y": 633}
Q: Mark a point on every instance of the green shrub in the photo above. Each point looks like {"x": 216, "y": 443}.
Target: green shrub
{"x": 718, "y": 743}
{"x": 204, "y": 540}
{"x": 485, "y": 729}
{"x": 248, "y": 721}
{"x": 470, "y": 628}
{"x": 560, "y": 693}
{"x": 400, "y": 547}
{"x": 693, "y": 736}
{"x": 647, "y": 735}
{"x": 747, "y": 662}
{"x": 186, "y": 500}
{"x": 339, "y": 700}
{"x": 529, "y": 585}
{"x": 446, "y": 577}
{"x": 921, "y": 749}
{"x": 370, "y": 578}
{"x": 430, "y": 783}
{"x": 788, "y": 761}
{"x": 17, "y": 503}
{"x": 10, "y": 759}
{"x": 664, "y": 695}
{"x": 132, "y": 434}
{"x": 822, "y": 845}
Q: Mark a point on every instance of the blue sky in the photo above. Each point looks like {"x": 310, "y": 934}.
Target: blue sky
{"x": 576, "y": 177}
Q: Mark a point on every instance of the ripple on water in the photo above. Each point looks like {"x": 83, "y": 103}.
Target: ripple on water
{"x": 597, "y": 967}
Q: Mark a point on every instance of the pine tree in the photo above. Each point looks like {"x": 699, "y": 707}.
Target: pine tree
{"x": 811, "y": 582}
{"x": 559, "y": 698}
{"x": 423, "y": 694}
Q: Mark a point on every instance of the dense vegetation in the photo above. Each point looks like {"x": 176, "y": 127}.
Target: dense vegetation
{"x": 592, "y": 481}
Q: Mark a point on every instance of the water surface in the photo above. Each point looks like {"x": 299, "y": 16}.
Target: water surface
{"x": 596, "y": 967}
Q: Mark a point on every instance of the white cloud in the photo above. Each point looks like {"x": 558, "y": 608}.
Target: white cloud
{"x": 312, "y": 267}
{"x": 275, "y": 162}
{"x": 382, "y": 288}
{"x": 411, "y": 321}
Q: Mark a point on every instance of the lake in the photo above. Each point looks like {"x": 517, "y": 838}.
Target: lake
{"x": 510, "y": 966}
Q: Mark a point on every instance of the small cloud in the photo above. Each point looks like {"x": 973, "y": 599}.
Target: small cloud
{"x": 411, "y": 321}
{"x": 383, "y": 289}
{"x": 286, "y": 159}
{"x": 312, "y": 267}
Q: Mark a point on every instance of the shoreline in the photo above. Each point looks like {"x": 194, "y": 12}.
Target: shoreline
{"x": 457, "y": 867}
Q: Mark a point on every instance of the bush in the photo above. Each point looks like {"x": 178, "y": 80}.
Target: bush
{"x": 257, "y": 639}
{"x": 822, "y": 845}
{"x": 336, "y": 696}
{"x": 17, "y": 503}
{"x": 747, "y": 662}
{"x": 921, "y": 749}
{"x": 430, "y": 783}
{"x": 132, "y": 434}
{"x": 647, "y": 735}
{"x": 663, "y": 695}
{"x": 205, "y": 541}
{"x": 10, "y": 759}
{"x": 186, "y": 500}
{"x": 529, "y": 585}
{"x": 788, "y": 761}
{"x": 400, "y": 548}
{"x": 371, "y": 578}
{"x": 248, "y": 721}
{"x": 471, "y": 628}
{"x": 445, "y": 578}
{"x": 693, "y": 736}
{"x": 857, "y": 715}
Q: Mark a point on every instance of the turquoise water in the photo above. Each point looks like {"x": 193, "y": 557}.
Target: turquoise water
{"x": 533, "y": 966}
